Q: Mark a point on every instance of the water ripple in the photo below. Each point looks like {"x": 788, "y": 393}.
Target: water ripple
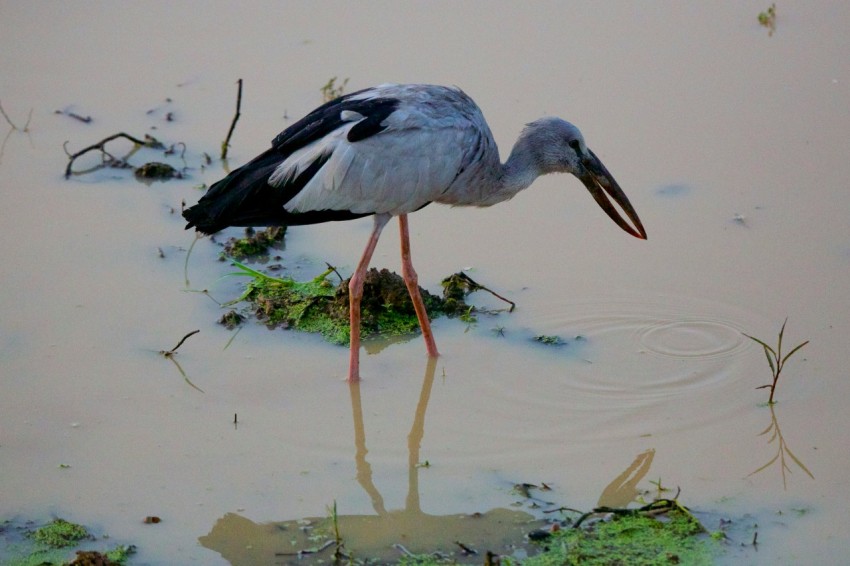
{"x": 663, "y": 363}
{"x": 692, "y": 339}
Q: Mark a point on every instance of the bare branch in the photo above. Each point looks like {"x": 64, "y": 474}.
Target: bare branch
{"x": 226, "y": 143}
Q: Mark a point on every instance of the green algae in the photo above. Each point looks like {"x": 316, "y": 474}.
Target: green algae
{"x": 60, "y": 533}
{"x": 635, "y": 538}
{"x": 54, "y": 544}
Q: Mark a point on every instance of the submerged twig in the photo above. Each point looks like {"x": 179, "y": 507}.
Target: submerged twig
{"x": 101, "y": 146}
{"x": 307, "y": 551}
{"x": 467, "y": 550}
{"x": 75, "y": 116}
{"x": 226, "y": 143}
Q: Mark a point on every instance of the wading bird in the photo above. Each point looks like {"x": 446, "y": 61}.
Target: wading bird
{"x": 388, "y": 151}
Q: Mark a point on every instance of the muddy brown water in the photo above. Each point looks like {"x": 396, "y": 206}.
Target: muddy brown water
{"x": 731, "y": 144}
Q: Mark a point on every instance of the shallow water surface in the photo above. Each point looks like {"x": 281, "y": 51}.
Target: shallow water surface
{"x": 731, "y": 144}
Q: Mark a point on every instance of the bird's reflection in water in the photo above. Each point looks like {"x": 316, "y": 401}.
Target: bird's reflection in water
{"x": 624, "y": 488}
{"x": 385, "y": 535}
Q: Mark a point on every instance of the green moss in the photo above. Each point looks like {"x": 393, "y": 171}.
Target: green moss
{"x": 549, "y": 340}
{"x": 157, "y": 171}
{"x": 255, "y": 244}
{"x": 121, "y": 553}
{"x": 634, "y": 539}
{"x": 59, "y": 534}
{"x": 40, "y": 557}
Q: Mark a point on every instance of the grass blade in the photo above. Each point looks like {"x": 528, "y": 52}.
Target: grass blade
{"x": 791, "y": 353}
{"x": 779, "y": 343}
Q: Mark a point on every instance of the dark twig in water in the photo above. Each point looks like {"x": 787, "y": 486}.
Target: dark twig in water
{"x": 172, "y": 351}
{"x": 562, "y": 509}
{"x": 226, "y": 143}
{"x": 172, "y": 150}
{"x": 75, "y": 116}
{"x": 307, "y": 551}
{"x": 332, "y": 268}
{"x": 100, "y": 146}
{"x": 475, "y": 286}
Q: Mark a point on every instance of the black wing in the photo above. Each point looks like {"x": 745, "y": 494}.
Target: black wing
{"x": 245, "y": 198}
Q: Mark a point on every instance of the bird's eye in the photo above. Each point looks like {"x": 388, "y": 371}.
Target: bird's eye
{"x": 575, "y": 145}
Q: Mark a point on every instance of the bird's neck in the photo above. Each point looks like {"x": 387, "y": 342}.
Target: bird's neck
{"x": 517, "y": 173}
{"x": 489, "y": 181}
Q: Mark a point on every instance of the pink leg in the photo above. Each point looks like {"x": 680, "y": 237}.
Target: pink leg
{"x": 412, "y": 282}
{"x": 355, "y": 293}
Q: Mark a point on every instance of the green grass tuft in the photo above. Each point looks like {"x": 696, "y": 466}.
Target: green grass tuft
{"x": 775, "y": 359}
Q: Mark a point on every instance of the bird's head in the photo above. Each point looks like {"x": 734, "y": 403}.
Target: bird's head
{"x": 556, "y": 146}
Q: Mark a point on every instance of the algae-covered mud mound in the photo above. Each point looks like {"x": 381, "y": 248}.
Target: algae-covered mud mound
{"x": 60, "y": 542}
{"x": 321, "y": 305}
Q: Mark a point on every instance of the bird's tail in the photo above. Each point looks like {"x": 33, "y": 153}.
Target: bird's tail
{"x": 243, "y": 198}
{"x": 200, "y": 217}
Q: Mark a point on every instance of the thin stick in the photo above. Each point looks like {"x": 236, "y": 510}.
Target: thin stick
{"x": 180, "y": 343}
{"x": 475, "y": 286}
{"x": 172, "y": 351}
{"x": 332, "y": 268}
{"x": 226, "y": 143}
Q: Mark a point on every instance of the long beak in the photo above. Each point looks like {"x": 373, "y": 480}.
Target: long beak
{"x": 596, "y": 178}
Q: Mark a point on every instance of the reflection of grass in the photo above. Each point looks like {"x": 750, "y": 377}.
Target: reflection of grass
{"x": 776, "y": 359}
{"x": 781, "y": 450}
{"x": 332, "y": 90}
